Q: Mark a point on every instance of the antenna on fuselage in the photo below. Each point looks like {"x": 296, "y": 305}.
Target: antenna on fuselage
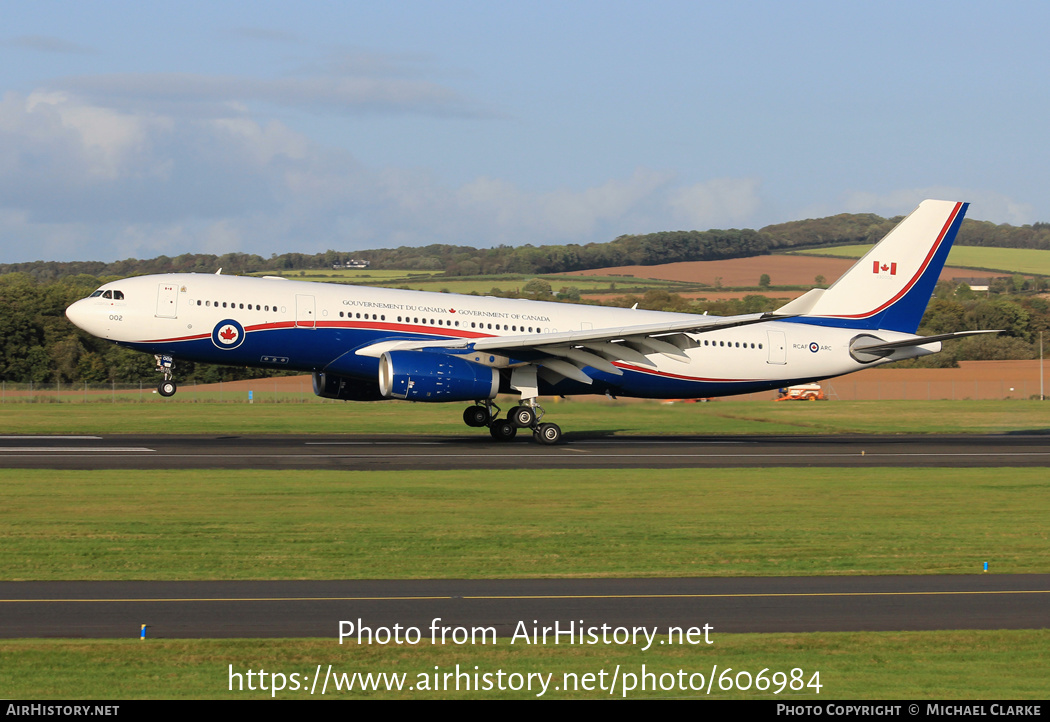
{"x": 219, "y": 272}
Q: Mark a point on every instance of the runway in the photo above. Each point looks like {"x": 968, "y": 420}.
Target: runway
{"x": 474, "y": 451}
{"x": 315, "y": 609}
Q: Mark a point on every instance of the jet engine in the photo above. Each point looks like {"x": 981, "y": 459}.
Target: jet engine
{"x": 344, "y": 388}
{"x": 429, "y": 376}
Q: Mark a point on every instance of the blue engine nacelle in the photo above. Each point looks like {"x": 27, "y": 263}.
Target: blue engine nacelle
{"x": 331, "y": 386}
{"x": 427, "y": 376}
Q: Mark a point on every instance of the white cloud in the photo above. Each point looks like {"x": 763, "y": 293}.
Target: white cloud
{"x": 215, "y": 95}
{"x": 79, "y": 180}
{"x": 717, "y": 203}
{"x": 47, "y": 44}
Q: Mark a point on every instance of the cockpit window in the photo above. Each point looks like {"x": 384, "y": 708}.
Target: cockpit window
{"x": 107, "y": 294}
{"x": 96, "y": 294}
{"x": 118, "y": 295}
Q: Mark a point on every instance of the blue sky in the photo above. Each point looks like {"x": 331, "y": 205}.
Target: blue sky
{"x": 133, "y": 130}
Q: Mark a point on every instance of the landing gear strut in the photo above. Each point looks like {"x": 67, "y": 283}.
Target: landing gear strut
{"x": 165, "y": 364}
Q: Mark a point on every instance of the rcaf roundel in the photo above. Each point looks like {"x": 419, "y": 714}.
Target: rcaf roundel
{"x": 227, "y": 334}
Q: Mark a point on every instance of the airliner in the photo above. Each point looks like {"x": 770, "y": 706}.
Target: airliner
{"x": 366, "y": 344}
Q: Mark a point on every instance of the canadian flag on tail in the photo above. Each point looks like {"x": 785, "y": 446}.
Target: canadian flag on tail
{"x": 888, "y": 268}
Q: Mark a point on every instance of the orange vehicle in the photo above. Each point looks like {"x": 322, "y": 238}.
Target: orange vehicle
{"x": 802, "y": 392}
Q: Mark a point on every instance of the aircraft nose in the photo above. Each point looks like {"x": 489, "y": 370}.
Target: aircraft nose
{"x": 78, "y": 313}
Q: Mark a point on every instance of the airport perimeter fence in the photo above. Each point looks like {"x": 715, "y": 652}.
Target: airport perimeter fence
{"x": 299, "y": 390}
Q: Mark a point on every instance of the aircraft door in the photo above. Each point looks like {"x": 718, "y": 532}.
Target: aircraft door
{"x": 305, "y": 316}
{"x": 167, "y": 300}
{"x": 777, "y": 347}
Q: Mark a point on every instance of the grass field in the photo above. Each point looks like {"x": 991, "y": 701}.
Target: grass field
{"x": 1007, "y": 260}
{"x": 898, "y": 665}
{"x": 218, "y": 524}
{"x": 339, "y": 524}
{"x": 578, "y": 418}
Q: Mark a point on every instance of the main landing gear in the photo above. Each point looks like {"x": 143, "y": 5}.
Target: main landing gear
{"x": 165, "y": 364}
{"x": 519, "y": 417}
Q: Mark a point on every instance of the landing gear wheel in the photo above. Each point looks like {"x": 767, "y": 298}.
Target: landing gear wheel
{"x": 522, "y": 416}
{"x": 503, "y": 430}
{"x": 476, "y": 416}
{"x": 548, "y": 434}
{"x": 167, "y": 388}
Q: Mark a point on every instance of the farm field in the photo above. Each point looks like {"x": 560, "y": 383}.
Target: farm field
{"x": 999, "y": 260}
{"x": 482, "y": 285}
{"x": 356, "y": 276}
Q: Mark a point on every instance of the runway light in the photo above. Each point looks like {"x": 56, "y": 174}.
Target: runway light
{"x": 986, "y": 566}
{"x": 142, "y": 632}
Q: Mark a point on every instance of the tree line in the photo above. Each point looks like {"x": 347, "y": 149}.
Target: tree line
{"x": 643, "y": 250}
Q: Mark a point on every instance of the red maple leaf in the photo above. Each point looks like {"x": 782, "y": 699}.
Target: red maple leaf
{"x": 452, "y": 310}
{"x": 228, "y": 334}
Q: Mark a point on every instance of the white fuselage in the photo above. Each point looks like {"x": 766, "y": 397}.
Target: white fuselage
{"x": 320, "y": 327}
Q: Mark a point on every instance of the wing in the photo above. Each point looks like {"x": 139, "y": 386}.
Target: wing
{"x": 567, "y": 353}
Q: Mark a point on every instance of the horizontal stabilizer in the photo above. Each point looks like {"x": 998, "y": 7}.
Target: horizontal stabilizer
{"x": 869, "y": 348}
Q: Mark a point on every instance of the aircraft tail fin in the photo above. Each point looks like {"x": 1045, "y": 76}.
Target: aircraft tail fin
{"x": 890, "y": 286}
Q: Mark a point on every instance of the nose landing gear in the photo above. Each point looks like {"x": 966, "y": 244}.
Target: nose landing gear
{"x": 165, "y": 364}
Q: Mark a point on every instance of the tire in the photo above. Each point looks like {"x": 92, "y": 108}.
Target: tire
{"x": 476, "y": 416}
{"x": 522, "y": 416}
{"x": 167, "y": 388}
{"x": 548, "y": 434}
{"x": 503, "y": 430}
